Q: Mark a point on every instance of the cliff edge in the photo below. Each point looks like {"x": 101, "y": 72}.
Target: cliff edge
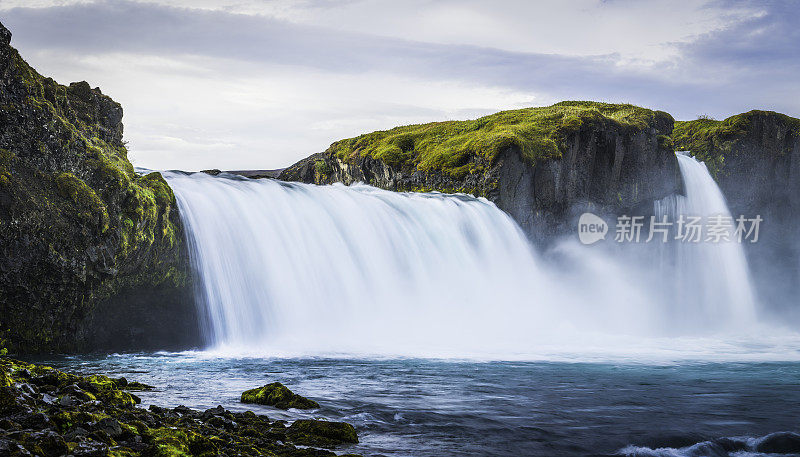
{"x": 543, "y": 166}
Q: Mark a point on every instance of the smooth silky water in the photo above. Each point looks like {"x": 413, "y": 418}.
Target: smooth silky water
{"x": 430, "y": 323}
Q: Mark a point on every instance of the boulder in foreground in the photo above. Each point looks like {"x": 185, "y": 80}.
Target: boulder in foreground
{"x": 306, "y": 432}
{"x": 279, "y": 396}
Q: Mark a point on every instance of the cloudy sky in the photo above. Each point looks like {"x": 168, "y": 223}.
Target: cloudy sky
{"x": 237, "y": 84}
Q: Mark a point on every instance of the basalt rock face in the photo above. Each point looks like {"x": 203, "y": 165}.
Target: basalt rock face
{"x": 85, "y": 243}
{"x": 543, "y": 166}
{"x": 755, "y": 159}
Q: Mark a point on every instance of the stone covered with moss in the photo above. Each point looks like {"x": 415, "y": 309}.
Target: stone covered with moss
{"x": 753, "y": 156}
{"x": 277, "y": 395}
{"x": 79, "y": 229}
{"x": 308, "y": 432}
{"x": 47, "y": 412}
{"x": 711, "y": 140}
{"x": 537, "y": 164}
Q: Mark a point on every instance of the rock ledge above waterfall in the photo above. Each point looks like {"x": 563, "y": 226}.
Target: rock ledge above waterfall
{"x": 537, "y": 164}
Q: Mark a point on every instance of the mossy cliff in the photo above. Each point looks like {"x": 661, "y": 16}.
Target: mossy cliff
{"x": 755, "y": 159}
{"x": 541, "y": 165}
{"x": 91, "y": 254}
{"x": 754, "y": 156}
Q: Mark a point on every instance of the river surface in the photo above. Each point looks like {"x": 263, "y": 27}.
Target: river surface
{"x": 423, "y": 407}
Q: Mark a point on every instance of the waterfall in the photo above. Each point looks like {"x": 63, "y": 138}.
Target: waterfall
{"x": 286, "y": 268}
{"x": 341, "y": 266}
{"x": 710, "y": 280}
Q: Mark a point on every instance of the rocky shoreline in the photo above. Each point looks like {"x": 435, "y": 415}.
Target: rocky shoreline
{"x": 47, "y": 412}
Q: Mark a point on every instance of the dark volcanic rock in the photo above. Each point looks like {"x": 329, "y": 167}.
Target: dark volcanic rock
{"x": 321, "y": 433}
{"x": 91, "y": 254}
{"x": 543, "y": 166}
{"x": 108, "y": 427}
{"x": 279, "y": 396}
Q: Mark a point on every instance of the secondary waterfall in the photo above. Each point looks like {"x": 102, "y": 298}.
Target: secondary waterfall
{"x": 354, "y": 269}
{"x": 711, "y": 279}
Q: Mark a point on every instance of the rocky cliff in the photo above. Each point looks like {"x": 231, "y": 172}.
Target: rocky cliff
{"x": 91, "y": 254}
{"x": 755, "y": 158}
{"x": 541, "y": 165}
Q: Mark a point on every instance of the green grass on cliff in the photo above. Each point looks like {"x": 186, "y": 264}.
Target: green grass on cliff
{"x": 104, "y": 169}
{"x": 710, "y": 140}
{"x": 458, "y": 147}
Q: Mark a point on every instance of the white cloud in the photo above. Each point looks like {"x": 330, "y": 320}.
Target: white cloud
{"x": 262, "y": 90}
{"x": 197, "y": 112}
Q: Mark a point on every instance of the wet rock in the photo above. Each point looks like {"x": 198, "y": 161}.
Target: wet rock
{"x": 76, "y": 434}
{"x": 68, "y": 400}
{"x": 23, "y": 373}
{"x": 90, "y": 449}
{"x": 222, "y": 422}
{"x": 77, "y": 393}
{"x": 112, "y": 425}
{"x": 25, "y": 387}
{"x": 278, "y": 396}
{"x": 9, "y": 447}
{"x": 308, "y": 432}
{"x": 184, "y": 411}
{"x": 6, "y": 424}
{"x": 10, "y": 400}
{"x": 35, "y": 421}
{"x": 51, "y": 443}
{"x": 211, "y": 412}
{"x": 137, "y": 386}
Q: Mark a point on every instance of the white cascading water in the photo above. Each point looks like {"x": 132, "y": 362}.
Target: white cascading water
{"x": 711, "y": 279}
{"x": 290, "y": 268}
{"x": 339, "y": 267}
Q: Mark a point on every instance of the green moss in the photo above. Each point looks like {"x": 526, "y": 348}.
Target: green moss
{"x": 308, "y": 432}
{"x": 66, "y": 420}
{"x": 99, "y": 383}
{"x": 321, "y": 171}
{"x": 460, "y": 147}
{"x": 174, "y": 442}
{"x": 710, "y": 140}
{"x": 279, "y": 396}
{"x": 118, "y": 398}
{"x": 5, "y": 167}
{"x": 90, "y": 205}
